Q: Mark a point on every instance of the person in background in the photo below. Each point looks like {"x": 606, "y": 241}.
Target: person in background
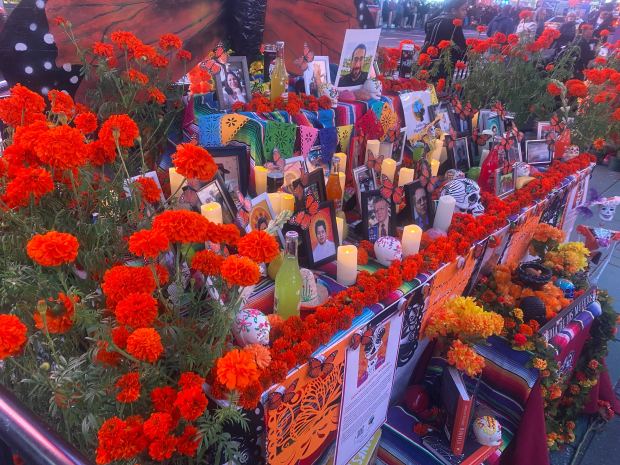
{"x": 540, "y": 16}
{"x": 587, "y": 46}
{"x": 501, "y": 23}
{"x": 568, "y": 30}
{"x": 605, "y": 21}
{"x": 526, "y": 29}
{"x": 442, "y": 27}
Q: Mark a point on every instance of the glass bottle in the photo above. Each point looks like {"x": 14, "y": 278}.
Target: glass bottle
{"x": 268, "y": 57}
{"x": 288, "y": 280}
{"x": 333, "y": 189}
{"x": 279, "y": 76}
{"x": 275, "y": 176}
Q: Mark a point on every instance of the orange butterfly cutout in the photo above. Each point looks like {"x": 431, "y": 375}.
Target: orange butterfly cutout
{"x": 372, "y": 162}
{"x": 276, "y": 398}
{"x": 389, "y": 191}
{"x": 317, "y": 367}
{"x": 216, "y": 59}
{"x": 363, "y": 339}
{"x": 480, "y": 139}
{"x": 303, "y": 218}
{"x": 307, "y": 57}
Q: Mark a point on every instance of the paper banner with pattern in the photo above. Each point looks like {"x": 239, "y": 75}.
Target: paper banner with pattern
{"x": 520, "y": 237}
{"x": 344, "y": 137}
{"x": 328, "y": 138}
{"x": 307, "y": 138}
{"x": 230, "y": 125}
{"x": 389, "y": 122}
{"x": 209, "y": 130}
{"x": 281, "y": 136}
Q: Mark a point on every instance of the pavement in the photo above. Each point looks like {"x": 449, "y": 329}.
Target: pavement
{"x": 392, "y": 37}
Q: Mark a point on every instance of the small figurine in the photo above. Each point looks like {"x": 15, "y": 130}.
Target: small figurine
{"x": 488, "y": 431}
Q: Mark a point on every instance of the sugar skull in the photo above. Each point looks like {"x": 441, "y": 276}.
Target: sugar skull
{"x": 606, "y": 211}
{"x": 371, "y": 350}
{"x": 374, "y": 88}
{"x": 571, "y": 152}
{"x": 467, "y": 195}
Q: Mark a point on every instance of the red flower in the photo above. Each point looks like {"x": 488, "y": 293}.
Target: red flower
{"x": 103, "y": 50}
{"x": 184, "y": 55}
{"x": 444, "y": 44}
{"x": 194, "y": 162}
{"x": 163, "y": 448}
{"x": 86, "y": 122}
{"x": 598, "y": 143}
{"x": 121, "y": 280}
{"x": 61, "y": 147}
{"x": 432, "y": 51}
{"x": 170, "y": 41}
{"x": 22, "y": 107}
{"x": 129, "y": 386}
{"x": 53, "y": 248}
{"x": 424, "y": 60}
{"x": 12, "y": 335}
{"x": 189, "y": 441}
{"x": 457, "y": 22}
{"x": 189, "y": 379}
{"x": 553, "y": 89}
{"x": 191, "y": 402}
{"x": 30, "y": 183}
{"x": 148, "y": 243}
{"x": 120, "y": 440}
{"x": 525, "y": 14}
{"x": 158, "y": 425}
{"x": 163, "y": 399}
{"x": 61, "y": 102}
{"x": 149, "y": 189}
{"x": 441, "y": 85}
{"x": 576, "y": 88}
{"x": 604, "y": 33}
{"x": 145, "y": 344}
{"x": 258, "y": 246}
{"x": 59, "y": 318}
{"x": 157, "y": 95}
{"x": 499, "y": 38}
{"x": 137, "y": 310}
{"x": 239, "y": 271}
{"x": 481, "y": 29}
{"x": 549, "y": 67}
{"x": 520, "y": 339}
{"x": 137, "y": 77}
{"x": 512, "y": 39}
{"x": 616, "y": 114}
{"x": 460, "y": 65}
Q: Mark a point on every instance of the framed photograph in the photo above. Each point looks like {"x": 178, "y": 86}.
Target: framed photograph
{"x": 216, "y": 191}
{"x": 504, "y": 182}
{"x": 293, "y": 169}
{"x": 357, "y": 57}
{"x": 151, "y": 175}
{"x": 316, "y": 74}
{"x": 261, "y": 213}
{"x": 459, "y": 155}
{"x": 416, "y": 111}
{"x": 378, "y": 216}
{"x": 538, "y": 152}
{"x": 233, "y": 83}
{"x": 365, "y": 181}
{"x": 420, "y": 205}
{"x": 321, "y": 238}
{"x": 398, "y": 148}
{"x": 490, "y": 120}
{"x": 309, "y": 183}
{"x": 233, "y": 163}
{"x": 448, "y": 118}
{"x": 542, "y": 129}
{"x": 189, "y": 199}
{"x": 514, "y": 152}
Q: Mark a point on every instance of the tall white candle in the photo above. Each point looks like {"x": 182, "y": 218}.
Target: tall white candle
{"x": 177, "y": 181}
{"x": 260, "y": 179}
{"x": 388, "y": 168}
{"x": 343, "y": 161}
{"x": 373, "y": 145}
{"x": 287, "y": 202}
{"x": 340, "y": 227}
{"x": 443, "y": 216}
{"x": 347, "y": 265}
{"x": 405, "y": 176}
{"x": 412, "y": 235}
{"x": 275, "y": 199}
{"x": 434, "y": 167}
{"x": 212, "y": 211}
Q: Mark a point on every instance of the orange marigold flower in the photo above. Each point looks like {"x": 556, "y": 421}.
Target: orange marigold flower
{"x": 98, "y": 155}
{"x": 261, "y": 354}
{"x": 362, "y": 257}
{"x": 61, "y": 147}
{"x": 598, "y": 143}
{"x": 159, "y": 61}
{"x": 184, "y": 55}
{"x": 444, "y": 44}
{"x": 149, "y": 189}
{"x": 129, "y": 386}
{"x": 156, "y": 95}
{"x": 170, "y": 41}
{"x": 207, "y": 262}
{"x": 236, "y": 369}
{"x": 22, "y": 107}
{"x": 194, "y": 162}
{"x": 240, "y": 271}
{"x": 61, "y": 102}
{"x": 162, "y": 274}
{"x": 12, "y": 335}
{"x": 106, "y": 357}
{"x": 526, "y": 330}
{"x": 189, "y": 441}
{"x": 163, "y": 448}
{"x": 259, "y": 246}
{"x": 460, "y": 65}
{"x": 136, "y": 76}
{"x": 119, "y": 128}
{"x": 58, "y": 318}
{"x": 604, "y": 32}
{"x": 53, "y": 248}
{"x": 182, "y": 226}
{"x": 616, "y": 114}
{"x": 103, "y": 50}
{"x": 27, "y": 136}
{"x": 190, "y": 379}
{"x": 137, "y": 310}
{"x": 148, "y": 243}
{"x": 120, "y": 336}
{"x": 121, "y": 280}
{"x": 158, "y": 425}
{"x": 30, "y": 183}
{"x": 120, "y": 440}
{"x": 145, "y": 344}
{"x": 163, "y": 399}
{"x": 191, "y": 402}
{"x": 576, "y": 88}
{"x": 124, "y": 39}
{"x": 86, "y": 122}
{"x": 553, "y": 89}
{"x": 465, "y": 358}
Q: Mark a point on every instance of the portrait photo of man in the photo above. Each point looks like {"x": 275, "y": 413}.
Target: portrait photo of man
{"x": 379, "y": 212}
{"x": 356, "y": 76}
{"x": 324, "y": 247}
{"x": 356, "y": 58}
{"x": 419, "y": 199}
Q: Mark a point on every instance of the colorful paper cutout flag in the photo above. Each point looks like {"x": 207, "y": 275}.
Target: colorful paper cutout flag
{"x": 307, "y": 137}
{"x": 230, "y": 126}
{"x": 281, "y": 136}
{"x": 344, "y": 137}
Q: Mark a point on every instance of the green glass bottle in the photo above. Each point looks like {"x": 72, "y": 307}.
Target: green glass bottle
{"x": 288, "y": 280}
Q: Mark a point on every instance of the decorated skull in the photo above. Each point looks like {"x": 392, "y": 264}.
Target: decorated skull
{"x": 329, "y": 90}
{"x": 571, "y": 152}
{"x": 607, "y": 211}
{"x": 467, "y": 195}
{"x": 373, "y": 87}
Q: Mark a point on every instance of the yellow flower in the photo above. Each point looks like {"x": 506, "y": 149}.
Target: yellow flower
{"x": 518, "y": 314}
{"x": 539, "y": 363}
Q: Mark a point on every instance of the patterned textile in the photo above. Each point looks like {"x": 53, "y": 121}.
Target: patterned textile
{"x": 230, "y": 125}
{"x": 281, "y": 136}
{"x": 328, "y": 138}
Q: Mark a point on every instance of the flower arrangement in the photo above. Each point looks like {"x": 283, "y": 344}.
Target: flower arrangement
{"x": 545, "y": 238}
{"x": 293, "y": 104}
{"x": 568, "y": 258}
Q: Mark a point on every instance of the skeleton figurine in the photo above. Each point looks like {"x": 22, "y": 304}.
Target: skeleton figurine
{"x": 372, "y": 350}
{"x": 467, "y": 195}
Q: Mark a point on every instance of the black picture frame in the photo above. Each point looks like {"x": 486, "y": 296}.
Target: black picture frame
{"x": 326, "y": 214}
{"x": 313, "y": 182}
{"x": 538, "y": 144}
{"x": 459, "y": 155}
{"x": 369, "y": 232}
{"x": 423, "y": 221}
{"x": 501, "y": 188}
{"x": 364, "y": 179}
{"x": 216, "y": 191}
{"x": 238, "y": 66}
{"x": 233, "y": 163}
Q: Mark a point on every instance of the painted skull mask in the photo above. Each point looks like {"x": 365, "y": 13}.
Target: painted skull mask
{"x": 607, "y": 211}
{"x": 467, "y": 195}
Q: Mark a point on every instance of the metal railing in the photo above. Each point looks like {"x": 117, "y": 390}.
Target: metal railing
{"x": 25, "y": 434}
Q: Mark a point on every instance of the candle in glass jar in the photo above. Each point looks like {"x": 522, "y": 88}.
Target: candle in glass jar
{"x": 260, "y": 179}
{"x": 412, "y": 235}
{"x": 213, "y": 212}
{"x": 388, "y": 168}
{"x": 347, "y": 265}
{"x": 287, "y": 202}
{"x": 276, "y": 202}
{"x": 443, "y": 215}
{"x": 340, "y": 228}
{"x": 176, "y": 182}
{"x": 343, "y": 161}
{"x": 405, "y": 176}
{"x": 434, "y": 167}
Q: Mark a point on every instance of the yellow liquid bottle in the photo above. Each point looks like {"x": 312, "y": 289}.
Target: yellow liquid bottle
{"x": 279, "y": 76}
{"x": 333, "y": 189}
{"x": 288, "y": 280}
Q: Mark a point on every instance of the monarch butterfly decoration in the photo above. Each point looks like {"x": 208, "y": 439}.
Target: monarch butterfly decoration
{"x": 374, "y": 162}
{"x": 480, "y": 139}
{"x": 306, "y": 58}
{"x": 216, "y": 60}
{"x": 389, "y": 191}
{"x": 556, "y": 124}
{"x": 281, "y": 396}
{"x": 318, "y": 367}
{"x": 498, "y": 108}
{"x": 363, "y": 339}
{"x": 303, "y": 218}
{"x": 463, "y": 111}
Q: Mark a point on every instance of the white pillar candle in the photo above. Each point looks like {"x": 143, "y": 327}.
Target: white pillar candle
{"x": 287, "y": 202}
{"x": 412, "y": 235}
{"x": 405, "y": 176}
{"x": 347, "y": 265}
{"x": 373, "y": 145}
{"x": 385, "y": 149}
{"x": 275, "y": 199}
{"x": 388, "y": 168}
{"x": 212, "y": 211}
{"x": 340, "y": 227}
{"x": 343, "y": 161}
{"x": 177, "y": 181}
{"x": 260, "y": 179}
{"x": 434, "y": 167}
{"x": 443, "y": 215}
